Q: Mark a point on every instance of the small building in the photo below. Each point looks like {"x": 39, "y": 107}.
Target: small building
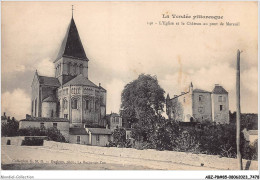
{"x": 42, "y": 122}
{"x": 114, "y": 120}
{"x": 99, "y": 136}
{"x": 78, "y": 136}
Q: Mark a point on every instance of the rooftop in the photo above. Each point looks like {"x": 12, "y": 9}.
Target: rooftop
{"x": 50, "y": 99}
{"x": 80, "y": 80}
{"x": 49, "y": 81}
{"x": 78, "y": 131}
{"x": 99, "y": 131}
{"x": 219, "y": 90}
{"x": 71, "y": 45}
{"x": 45, "y": 119}
{"x": 200, "y": 91}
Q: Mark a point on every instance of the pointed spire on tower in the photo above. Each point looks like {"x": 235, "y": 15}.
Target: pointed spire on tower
{"x": 72, "y": 10}
{"x": 168, "y": 96}
{"x": 71, "y": 46}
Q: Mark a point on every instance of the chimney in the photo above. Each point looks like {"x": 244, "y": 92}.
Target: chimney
{"x": 217, "y": 85}
{"x": 99, "y": 84}
{"x": 175, "y": 95}
{"x": 182, "y": 93}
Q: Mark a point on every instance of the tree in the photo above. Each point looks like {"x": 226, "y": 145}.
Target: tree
{"x": 142, "y": 102}
{"x": 10, "y": 128}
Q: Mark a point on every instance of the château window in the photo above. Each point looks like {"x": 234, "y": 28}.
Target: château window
{"x": 221, "y": 107}
{"x": 220, "y": 99}
{"x": 74, "y": 104}
{"x": 97, "y": 138}
{"x": 200, "y": 98}
{"x": 66, "y": 116}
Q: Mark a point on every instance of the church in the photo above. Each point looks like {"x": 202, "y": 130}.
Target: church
{"x": 70, "y": 94}
{"x": 70, "y": 101}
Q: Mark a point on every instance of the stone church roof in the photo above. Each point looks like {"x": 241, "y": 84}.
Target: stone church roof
{"x": 71, "y": 45}
{"x": 219, "y": 90}
{"x": 50, "y": 99}
{"x": 80, "y": 80}
{"x": 49, "y": 81}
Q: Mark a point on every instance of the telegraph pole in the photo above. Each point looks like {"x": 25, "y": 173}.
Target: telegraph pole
{"x": 239, "y": 158}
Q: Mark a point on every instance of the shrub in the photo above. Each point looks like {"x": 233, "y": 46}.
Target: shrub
{"x": 32, "y": 142}
{"x": 53, "y": 134}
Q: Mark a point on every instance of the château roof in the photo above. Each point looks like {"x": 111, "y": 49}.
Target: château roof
{"x": 49, "y": 81}
{"x": 71, "y": 45}
{"x": 200, "y": 91}
{"x": 80, "y": 80}
{"x": 219, "y": 90}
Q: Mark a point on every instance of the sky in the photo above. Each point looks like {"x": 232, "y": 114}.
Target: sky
{"x": 120, "y": 44}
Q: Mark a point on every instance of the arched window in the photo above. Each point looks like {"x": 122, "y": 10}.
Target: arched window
{"x": 75, "y": 69}
{"x": 86, "y": 104}
{"x": 65, "y": 104}
{"x": 96, "y": 105}
{"x": 69, "y": 65}
{"x": 74, "y": 104}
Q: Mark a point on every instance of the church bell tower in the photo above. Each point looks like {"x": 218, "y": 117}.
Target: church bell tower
{"x": 71, "y": 60}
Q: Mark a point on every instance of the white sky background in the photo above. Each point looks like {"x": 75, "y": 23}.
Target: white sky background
{"x": 120, "y": 46}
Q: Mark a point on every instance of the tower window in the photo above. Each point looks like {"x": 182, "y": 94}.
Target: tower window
{"x": 220, "y": 99}
{"x": 69, "y": 68}
{"x": 81, "y": 69}
{"x": 75, "y": 69}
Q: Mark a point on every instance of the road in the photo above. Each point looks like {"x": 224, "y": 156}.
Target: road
{"x": 40, "y": 157}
